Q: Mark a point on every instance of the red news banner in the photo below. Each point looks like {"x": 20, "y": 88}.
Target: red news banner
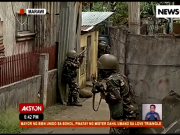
{"x": 90, "y": 123}
{"x": 25, "y": 108}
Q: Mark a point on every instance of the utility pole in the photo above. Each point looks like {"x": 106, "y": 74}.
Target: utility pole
{"x": 134, "y": 17}
{"x": 108, "y": 22}
{"x": 171, "y": 23}
{"x": 109, "y": 7}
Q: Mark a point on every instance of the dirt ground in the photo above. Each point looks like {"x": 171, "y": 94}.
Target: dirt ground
{"x": 62, "y": 112}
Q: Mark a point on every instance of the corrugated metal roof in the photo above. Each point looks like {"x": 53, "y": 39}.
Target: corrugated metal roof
{"x": 94, "y": 18}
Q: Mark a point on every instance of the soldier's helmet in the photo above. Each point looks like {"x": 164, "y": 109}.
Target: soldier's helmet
{"x": 108, "y": 61}
{"x": 71, "y": 54}
{"x": 102, "y": 39}
{"x": 102, "y": 44}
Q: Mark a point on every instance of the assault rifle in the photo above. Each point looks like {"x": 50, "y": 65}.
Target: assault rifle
{"x": 80, "y": 54}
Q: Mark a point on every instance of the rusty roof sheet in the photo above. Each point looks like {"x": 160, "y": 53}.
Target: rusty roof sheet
{"x": 86, "y": 28}
{"x": 93, "y": 18}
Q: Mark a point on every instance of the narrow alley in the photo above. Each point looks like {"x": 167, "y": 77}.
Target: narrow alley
{"x": 78, "y": 113}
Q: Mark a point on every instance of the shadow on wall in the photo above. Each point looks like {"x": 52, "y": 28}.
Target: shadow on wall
{"x": 151, "y": 63}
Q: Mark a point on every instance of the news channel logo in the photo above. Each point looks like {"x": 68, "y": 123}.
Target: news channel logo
{"x": 167, "y": 11}
{"x": 31, "y": 111}
{"x": 152, "y": 112}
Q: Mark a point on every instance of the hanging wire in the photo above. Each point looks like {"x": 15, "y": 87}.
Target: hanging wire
{"x": 16, "y": 16}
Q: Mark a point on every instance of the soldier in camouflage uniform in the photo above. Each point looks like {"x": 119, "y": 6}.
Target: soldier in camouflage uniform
{"x": 72, "y": 63}
{"x": 118, "y": 94}
{"x": 103, "y": 48}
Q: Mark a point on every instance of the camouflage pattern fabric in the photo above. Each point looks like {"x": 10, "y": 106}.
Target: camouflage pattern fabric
{"x": 73, "y": 86}
{"x": 119, "y": 94}
{"x": 70, "y": 67}
{"x": 69, "y": 76}
{"x": 102, "y": 51}
{"x": 129, "y": 106}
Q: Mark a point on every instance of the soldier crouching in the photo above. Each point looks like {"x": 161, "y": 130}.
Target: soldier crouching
{"x": 71, "y": 64}
{"x": 118, "y": 94}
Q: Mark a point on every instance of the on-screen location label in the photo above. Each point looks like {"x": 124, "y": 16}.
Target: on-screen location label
{"x": 35, "y": 11}
{"x": 31, "y": 116}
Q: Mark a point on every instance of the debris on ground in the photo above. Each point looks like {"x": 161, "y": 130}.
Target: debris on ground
{"x": 85, "y": 93}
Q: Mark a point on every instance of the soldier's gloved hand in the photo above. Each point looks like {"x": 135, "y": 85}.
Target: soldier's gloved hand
{"x": 95, "y": 91}
{"x": 99, "y": 86}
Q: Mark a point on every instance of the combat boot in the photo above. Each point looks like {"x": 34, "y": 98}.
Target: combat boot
{"x": 75, "y": 102}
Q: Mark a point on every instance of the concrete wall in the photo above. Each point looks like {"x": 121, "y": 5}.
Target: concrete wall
{"x": 93, "y": 53}
{"x": 152, "y": 64}
{"x": 26, "y": 91}
{"x": 118, "y": 39}
{"x": 52, "y": 87}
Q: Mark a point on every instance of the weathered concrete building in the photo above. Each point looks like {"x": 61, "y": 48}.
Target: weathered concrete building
{"x": 18, "y": 38}
{"x": 9, "y": 26}
{"x": 20, "y": 33}
{"x": 89, "y": 41}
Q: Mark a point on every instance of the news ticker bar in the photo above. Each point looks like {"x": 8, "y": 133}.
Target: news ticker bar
{"x": 31, "y": 116}
{"x": 90, "y": 123}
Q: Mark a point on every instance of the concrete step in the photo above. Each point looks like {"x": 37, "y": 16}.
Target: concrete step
{"x": 89, "y": 84}
{"x": 87, "y": 88}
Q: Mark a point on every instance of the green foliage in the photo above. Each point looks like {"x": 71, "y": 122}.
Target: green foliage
{"x": 85, "y": 8}
{"x": 9, "y": 121}
{"x": 121, "y": 13}
{"x": 149, "y": 8}
{"x": 99, "y": 6}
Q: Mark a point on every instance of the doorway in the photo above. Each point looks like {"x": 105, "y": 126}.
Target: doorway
{"x": 88, "y": 58}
